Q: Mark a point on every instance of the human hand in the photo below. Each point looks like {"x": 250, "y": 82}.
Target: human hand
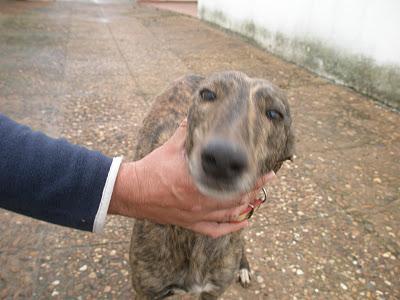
{"x": 159, "y": 188}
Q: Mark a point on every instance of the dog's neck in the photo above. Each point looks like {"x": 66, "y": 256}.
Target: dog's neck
{"x": 194, "y": 242}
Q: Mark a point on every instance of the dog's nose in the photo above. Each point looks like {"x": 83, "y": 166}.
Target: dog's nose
{"x": 221, "y": 159}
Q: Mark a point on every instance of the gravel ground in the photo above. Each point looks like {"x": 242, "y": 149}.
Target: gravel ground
{"x": 89, "y": 71}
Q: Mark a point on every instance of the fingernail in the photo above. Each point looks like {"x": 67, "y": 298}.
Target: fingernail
{"x": 270, "y": 176}
{"x": 234, "y": 215}
{"x": 184, "y": 123}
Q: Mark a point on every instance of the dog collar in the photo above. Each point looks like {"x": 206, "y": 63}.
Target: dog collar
{"x": 252, "y": 207}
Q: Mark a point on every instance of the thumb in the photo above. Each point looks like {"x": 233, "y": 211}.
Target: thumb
{"x": 178, "y": 138}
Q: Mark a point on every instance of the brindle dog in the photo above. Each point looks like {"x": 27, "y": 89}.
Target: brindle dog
{"x": 239, "y": 128}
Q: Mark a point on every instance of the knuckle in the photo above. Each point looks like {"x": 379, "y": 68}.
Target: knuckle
{"x": 230, "y": 217}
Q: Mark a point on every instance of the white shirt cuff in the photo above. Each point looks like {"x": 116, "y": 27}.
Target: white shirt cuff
{"x": 101, "y": 214}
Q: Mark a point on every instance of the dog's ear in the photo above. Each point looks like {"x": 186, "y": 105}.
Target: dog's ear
{"x": 288, "y": 154}
{"x": 289, "y": 150}
{"x": 193, "y": 81}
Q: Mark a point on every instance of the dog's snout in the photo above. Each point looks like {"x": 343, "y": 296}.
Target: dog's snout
{"x": 223, "y": 160}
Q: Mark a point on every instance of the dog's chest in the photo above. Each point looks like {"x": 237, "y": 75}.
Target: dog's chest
{"x": 211, "y": 263}
{"x": 195, "y": 289}
{"x": 198, "y": 289}
{"x": 177, "y": 261}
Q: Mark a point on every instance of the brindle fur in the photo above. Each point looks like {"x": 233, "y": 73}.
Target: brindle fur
{"x": 167, "y": 258}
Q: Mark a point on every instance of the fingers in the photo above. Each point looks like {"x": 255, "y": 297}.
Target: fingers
{"x": 185, "y": 219}
{"x": 220, "y": 216}
{"x": 224, "y": 215}
{"x": 216, "y": 230}
{"x": 210, "y": 204}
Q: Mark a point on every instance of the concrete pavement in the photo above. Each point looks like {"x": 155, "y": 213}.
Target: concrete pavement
{"x": 89, "y": 71}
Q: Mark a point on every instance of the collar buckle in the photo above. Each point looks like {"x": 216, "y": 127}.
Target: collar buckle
{"x": 252, "y": 207}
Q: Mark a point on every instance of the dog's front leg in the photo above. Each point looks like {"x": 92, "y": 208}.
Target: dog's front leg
{"x": 244, "y": 270}
{"x": 139, "y": 296}
{"x": 208, "y": 296}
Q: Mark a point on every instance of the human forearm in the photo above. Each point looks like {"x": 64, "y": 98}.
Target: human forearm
{"x": 49, "y": 179}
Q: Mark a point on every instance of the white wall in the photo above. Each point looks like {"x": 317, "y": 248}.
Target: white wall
{"x": 369, "y": 27}
{"x": 365, "y": 28}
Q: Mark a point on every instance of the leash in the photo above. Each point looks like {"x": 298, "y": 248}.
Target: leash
{"x": 249, "y": 211}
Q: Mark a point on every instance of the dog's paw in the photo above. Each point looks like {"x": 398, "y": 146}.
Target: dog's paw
{"x": 244, "y": 277}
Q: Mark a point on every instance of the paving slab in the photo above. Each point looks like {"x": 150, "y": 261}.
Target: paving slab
{"x": 89, "y": 71}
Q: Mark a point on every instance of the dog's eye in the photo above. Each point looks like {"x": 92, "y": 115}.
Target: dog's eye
{"x": 273, "y": 115}
{"x": 207, "y": 95}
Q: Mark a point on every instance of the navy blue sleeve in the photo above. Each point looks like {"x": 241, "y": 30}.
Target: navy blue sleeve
{"x": 49, "y": 179}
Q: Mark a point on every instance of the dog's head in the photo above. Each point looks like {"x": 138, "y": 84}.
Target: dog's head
{"x": 239, "y": 129}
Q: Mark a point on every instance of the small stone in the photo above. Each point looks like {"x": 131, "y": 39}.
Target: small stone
{"x": 386, "y": 254}
{"x": 107, "y": 289}
{"x": 343, "y": 286}
{"x": 56, "y": 282}
{"x": 377, "y": 180}
{"x": 92, "y": 275}
{"x": 372, "y": 283}
{"x": 299, "y": 272}
{"x": 83, "y": 268}
{"x": 113, "y": 252}
{"x": 55, "y": 293}
{"x": 260, "y": 279}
